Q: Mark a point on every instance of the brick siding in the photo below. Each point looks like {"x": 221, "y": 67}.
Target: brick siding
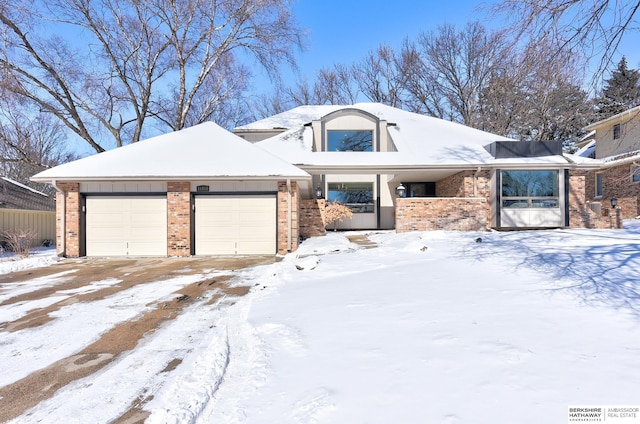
{"x": 580, "y": 213}
{"x": 422, "y": 214}
{"x": 71, "y": 234}
{"x": 283, "y": 217}
{"x": 616, "y": 182}
{"x": 179, "y": 218}
{"x": 311, "y": 219}
{"x": 461, "y": 185}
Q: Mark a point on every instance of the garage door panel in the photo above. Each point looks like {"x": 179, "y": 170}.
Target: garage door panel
{"x": 243, "y": 225}
{"x": 107, "y": 248}
{"x": 256, "y": 248}
{"x": 126, "y": 226}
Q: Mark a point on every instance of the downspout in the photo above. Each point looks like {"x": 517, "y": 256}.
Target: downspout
{"x": 289, "y": 215}
{"x": 63, "y": 216}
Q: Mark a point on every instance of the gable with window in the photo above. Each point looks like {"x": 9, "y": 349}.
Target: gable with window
{"x": 350, "y": 140}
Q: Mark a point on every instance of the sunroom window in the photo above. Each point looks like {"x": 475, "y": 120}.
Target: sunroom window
{"x": 350, "y": 140}
{"x": 530, "y": 189}
{"x": 357, "y": 196}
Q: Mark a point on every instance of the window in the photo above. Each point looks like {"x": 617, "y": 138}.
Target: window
{"x": 635, "y": 173}
{"x": 616, "y": 131}
{"x": 350, "y": 141}
{"x": 421, "y": 189}
{"x": 530, "y": 189}
{"x": 599, "y": 185}
{"x": 357, "y": 196}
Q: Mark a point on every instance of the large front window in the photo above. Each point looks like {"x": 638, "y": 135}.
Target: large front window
{"x": 357, "y": 196}
{"x": 530, "y": 189}
{"x": 350, "y": 141}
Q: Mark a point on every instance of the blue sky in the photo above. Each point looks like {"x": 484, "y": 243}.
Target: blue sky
{"x": 343, "y": 31}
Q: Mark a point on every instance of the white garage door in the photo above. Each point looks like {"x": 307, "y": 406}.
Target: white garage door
{"x": 126, "y": 226}
{"x": 235, "y": 225}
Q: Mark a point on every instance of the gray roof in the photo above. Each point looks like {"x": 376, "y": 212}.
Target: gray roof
{"x": 14, "y": 195}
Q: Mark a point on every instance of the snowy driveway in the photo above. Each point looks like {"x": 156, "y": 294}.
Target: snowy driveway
{"x": 67, "y": 321}
{"x": 429, "y": 327}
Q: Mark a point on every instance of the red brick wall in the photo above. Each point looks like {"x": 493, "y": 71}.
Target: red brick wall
{"x": 580, "y": 213}
{"x": 311, "y": 219}
{"x": 71, "y": 234}
{"x": 616, "y": 182}
{"x": 283, "y": 217}
{"x": 422, "y": 214}
{"x": 461, "y": 185}
{"x": 178, "y": 218}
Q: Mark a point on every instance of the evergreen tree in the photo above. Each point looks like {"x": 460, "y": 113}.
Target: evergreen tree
{"x": 621, "y": 91}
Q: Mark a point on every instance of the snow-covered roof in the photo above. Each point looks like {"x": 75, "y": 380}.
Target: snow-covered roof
{"x": 293, "y": 118}
{"x": 199, "y": 152}
{"x": 628, "y": 157}
{"x": 33, "y": 190}
{"x": 420, "y": 141}
{"x": 627, "y": 113}
{"x": 588, "y": 150}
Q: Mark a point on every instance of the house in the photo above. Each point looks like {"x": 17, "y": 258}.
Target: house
{"x": 616, "y": 144}
{"x": 206, "y": 191}
{"x": 454, "y": 177}
{"x": 23, "y": 208}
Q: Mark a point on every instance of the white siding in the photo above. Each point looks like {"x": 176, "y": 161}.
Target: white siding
{"x": 235, "y": 225}
{"x": 236, "y": 186}
{"x": 123, "y": 187}
{"x": 126, "y": 226}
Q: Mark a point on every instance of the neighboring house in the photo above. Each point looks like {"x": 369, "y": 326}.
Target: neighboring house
{"x": 617, "y": 145}
{"x": 23, "y": 208}
{"x": 206, "y": 191}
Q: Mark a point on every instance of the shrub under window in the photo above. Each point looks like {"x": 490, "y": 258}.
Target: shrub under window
{"x": 530, "y": 189}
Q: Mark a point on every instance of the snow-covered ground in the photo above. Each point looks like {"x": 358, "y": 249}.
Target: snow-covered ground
{"x": 436, "y": 327}
{"x": 38, "y": 257}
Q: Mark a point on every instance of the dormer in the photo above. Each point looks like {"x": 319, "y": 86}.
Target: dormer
{"x": 351, "y": 130}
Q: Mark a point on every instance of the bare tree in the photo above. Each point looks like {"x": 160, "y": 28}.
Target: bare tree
{"x": 594, "y": 27}
{"x": 332, "y": 85}
{"x": 266, "y": 105}
{"x": 170, "y": 63}
{"x": 380, "y": 77}
{"x": 536, "y": 96}
{"x": 30, "y": 142}
{"x": 448, "y": 69}
{"x": 335, "y": 86}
